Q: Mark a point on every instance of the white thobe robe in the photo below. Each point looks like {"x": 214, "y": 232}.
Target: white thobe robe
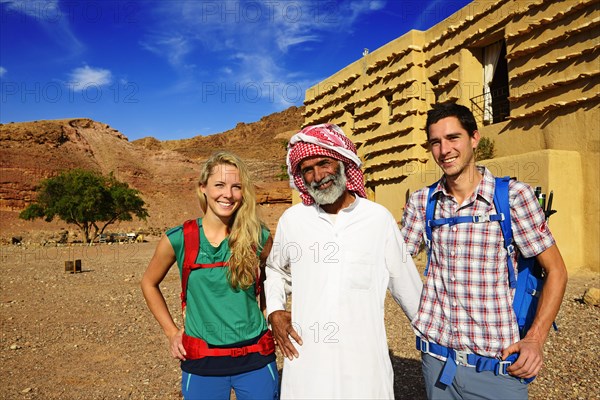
{"x": 338, "y": 273}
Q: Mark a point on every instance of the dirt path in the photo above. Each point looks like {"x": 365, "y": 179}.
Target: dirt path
{"x": 90, "y": 336}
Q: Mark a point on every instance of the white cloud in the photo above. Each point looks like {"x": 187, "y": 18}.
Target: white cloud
{"x": 84, "y": 77}
{"x": 184, "y": 26}
{"x": 262, "y": 78}
{"x": 174, "y": 48}
{"x": 360, "y": 7}
{"x": 2, "y": 71}
{"x": 43, "y": 10}
{"x": 245, "y": 41}
{"x": 51, "y": 18}
{"x": 257, "y": 67}
{"x": 374, "y": 5}
{"x": 421, "y": 22}
{"x": 285, "y": 42}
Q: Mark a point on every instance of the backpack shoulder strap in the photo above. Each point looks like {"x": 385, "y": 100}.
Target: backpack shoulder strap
{"x": 429, "y": 214}
{"x": 191, "y": 243}
{"x": 502, "y": 204}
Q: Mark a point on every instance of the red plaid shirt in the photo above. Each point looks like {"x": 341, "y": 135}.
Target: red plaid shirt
{"x": 466, "y": 303}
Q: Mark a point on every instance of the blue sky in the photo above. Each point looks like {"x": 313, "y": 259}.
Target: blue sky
{"x": 175, "y": 69}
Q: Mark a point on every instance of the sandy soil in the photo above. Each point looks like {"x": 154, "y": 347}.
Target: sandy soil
{"x": 90, "y": 336}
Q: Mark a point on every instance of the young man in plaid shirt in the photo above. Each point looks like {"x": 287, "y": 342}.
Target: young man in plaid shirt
{"x": 466, "y": 314}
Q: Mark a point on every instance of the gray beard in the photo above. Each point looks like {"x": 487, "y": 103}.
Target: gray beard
{"x": 332, "y": 193}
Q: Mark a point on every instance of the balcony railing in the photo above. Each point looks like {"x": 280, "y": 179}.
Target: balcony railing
{"x": 500, "y": 108}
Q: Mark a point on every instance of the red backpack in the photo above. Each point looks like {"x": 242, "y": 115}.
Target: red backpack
{"x": 195, "y": 347}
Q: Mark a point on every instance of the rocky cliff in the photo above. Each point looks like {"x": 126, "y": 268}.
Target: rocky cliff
{"x": 164, "y": 172}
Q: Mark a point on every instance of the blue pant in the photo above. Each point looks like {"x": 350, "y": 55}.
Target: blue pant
{"x": 260, "y": 384}
{"x": 470, "y": 384}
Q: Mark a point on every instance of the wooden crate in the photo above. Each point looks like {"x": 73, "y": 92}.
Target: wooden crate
{"x": 73, "y": 266}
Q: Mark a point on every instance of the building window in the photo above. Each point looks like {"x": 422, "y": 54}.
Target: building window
{"x": 493, "y": 106}
{"x": 390, "y": 106}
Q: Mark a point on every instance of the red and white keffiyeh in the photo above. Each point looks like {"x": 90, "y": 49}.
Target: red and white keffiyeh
{"x": 324, "y": 140}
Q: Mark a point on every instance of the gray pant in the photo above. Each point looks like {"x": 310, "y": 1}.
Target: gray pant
{"x": 469, "y": 384}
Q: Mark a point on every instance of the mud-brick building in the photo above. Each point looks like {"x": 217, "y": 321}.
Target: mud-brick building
{"x": 530, "y": 72}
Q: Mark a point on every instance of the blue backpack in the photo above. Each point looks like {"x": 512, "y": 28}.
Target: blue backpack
{"x": 529, "y": 282}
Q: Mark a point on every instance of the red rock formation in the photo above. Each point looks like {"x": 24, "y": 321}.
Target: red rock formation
{"x": 32, "y": 151}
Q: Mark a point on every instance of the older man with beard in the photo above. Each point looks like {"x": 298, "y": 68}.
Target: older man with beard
{"x": 339, "y": 253}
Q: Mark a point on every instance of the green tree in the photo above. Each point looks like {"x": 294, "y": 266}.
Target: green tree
{"x": 86, "y": 199}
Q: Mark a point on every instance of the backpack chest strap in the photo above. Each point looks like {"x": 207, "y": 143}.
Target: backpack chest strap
{"x": 501, "y": 199}
{"x": 473, "y": 219}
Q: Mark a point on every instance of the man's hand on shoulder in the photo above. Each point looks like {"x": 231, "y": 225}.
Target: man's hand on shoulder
{"x": 281, "y": 324}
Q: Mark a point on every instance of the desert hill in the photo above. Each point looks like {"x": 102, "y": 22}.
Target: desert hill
{"x": 164, "y": 172}
{"x": 264, "y": 140}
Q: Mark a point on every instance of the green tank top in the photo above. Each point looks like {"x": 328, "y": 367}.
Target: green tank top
{"x": 215, "y": 312}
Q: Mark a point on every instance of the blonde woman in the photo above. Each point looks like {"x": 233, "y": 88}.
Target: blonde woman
{"x": 224, "y": 343}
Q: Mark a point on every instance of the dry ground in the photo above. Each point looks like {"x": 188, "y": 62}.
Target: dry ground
{"x": 90, "y": 336}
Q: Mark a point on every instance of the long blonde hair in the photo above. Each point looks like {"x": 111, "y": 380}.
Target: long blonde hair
{"x": 244, "y": 226}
